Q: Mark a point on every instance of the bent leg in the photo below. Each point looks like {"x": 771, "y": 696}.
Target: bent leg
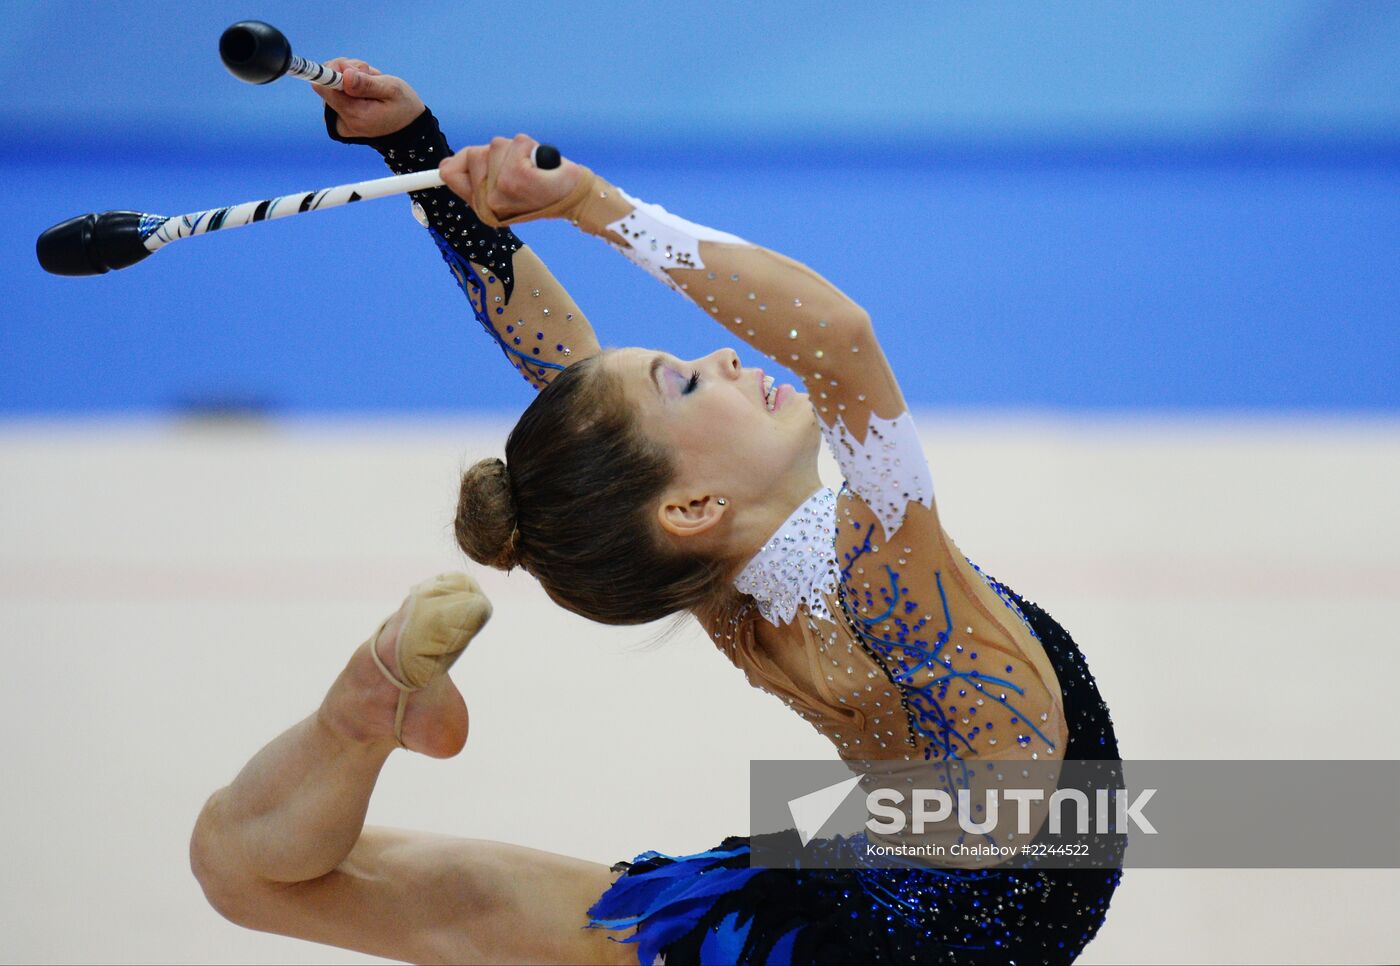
{"x": 426, "y": 898}
{"x": 284, "y": 849}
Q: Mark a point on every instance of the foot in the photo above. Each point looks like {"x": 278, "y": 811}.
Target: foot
{"x": 361, "y": 705}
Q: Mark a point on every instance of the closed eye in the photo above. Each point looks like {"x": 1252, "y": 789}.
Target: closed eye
{"x": 694, "y": 381}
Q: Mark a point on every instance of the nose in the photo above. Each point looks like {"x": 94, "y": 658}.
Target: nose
{"x": 726, "y": 363}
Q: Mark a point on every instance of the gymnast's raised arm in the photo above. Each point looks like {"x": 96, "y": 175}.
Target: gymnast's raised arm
{"x": 901, "y": 579}
{"x": 513, "y": 295}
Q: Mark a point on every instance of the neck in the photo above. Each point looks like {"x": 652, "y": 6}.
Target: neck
{"x": 759, "y": 522}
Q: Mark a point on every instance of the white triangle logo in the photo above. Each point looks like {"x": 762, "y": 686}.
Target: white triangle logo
{"x": 811, "y": 811}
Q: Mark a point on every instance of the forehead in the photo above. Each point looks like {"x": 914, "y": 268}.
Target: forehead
{"x": 632, "y": 359}
{"x": 631, "y": 366}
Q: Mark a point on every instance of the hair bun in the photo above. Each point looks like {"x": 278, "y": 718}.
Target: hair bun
{"x": 486, "y": 526}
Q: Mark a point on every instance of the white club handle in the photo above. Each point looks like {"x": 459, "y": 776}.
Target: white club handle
{"x": 176, "y": 227}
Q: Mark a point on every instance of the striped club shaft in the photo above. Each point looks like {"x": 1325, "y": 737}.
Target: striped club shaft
{"x": 163, "y": 232}
{"x": 316, "y": 73}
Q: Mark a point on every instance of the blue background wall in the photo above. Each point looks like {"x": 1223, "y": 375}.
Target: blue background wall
{"x": 1085, "y": 205}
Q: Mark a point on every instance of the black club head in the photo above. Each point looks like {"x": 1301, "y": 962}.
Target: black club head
{"x": 255, "y": 52}
{"x": 92, "y": 244}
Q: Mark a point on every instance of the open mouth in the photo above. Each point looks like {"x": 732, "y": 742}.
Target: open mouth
{"x": 770, "y": 392}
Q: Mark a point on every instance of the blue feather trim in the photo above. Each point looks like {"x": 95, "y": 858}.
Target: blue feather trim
{"x": 712, "y": 908}
{"x": 667, "y": 896}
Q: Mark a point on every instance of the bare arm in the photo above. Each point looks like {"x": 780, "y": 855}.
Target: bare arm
{"x": 978, "y": 683}
{"x": 909, "y": 597}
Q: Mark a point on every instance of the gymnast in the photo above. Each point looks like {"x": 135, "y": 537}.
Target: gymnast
{"x": 635, "y": 486}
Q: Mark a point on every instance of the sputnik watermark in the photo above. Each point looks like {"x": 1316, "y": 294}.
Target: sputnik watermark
{"x": 1075, "y": 813}
{"x": 1108, "y": 803}
{"x": 1111, "y": 812}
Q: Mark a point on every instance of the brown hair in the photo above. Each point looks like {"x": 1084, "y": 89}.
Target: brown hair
{"x": 573, "y": 504}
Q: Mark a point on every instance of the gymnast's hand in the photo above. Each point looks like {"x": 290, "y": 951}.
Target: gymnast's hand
{"x": 372, "y": 104}
{"x": 500, "y": 181}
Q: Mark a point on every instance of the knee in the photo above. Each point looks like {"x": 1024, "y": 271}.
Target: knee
{"x": 230, "y": 892}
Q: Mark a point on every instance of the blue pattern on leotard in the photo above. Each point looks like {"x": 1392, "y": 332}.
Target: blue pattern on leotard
{"x": 692, "y": 908}
{"x": 909, "y": 651}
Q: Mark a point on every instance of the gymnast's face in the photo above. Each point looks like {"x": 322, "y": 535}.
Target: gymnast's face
{"x": 732, "y": 436}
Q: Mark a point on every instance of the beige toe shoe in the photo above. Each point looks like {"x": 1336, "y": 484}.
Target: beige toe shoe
{"x": 444, "y": 614}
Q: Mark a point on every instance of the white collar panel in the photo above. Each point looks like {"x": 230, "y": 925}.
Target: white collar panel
{"x": 797, "y": 566}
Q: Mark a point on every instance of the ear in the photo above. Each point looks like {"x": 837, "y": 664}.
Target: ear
{"x": 682, "y": 518}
